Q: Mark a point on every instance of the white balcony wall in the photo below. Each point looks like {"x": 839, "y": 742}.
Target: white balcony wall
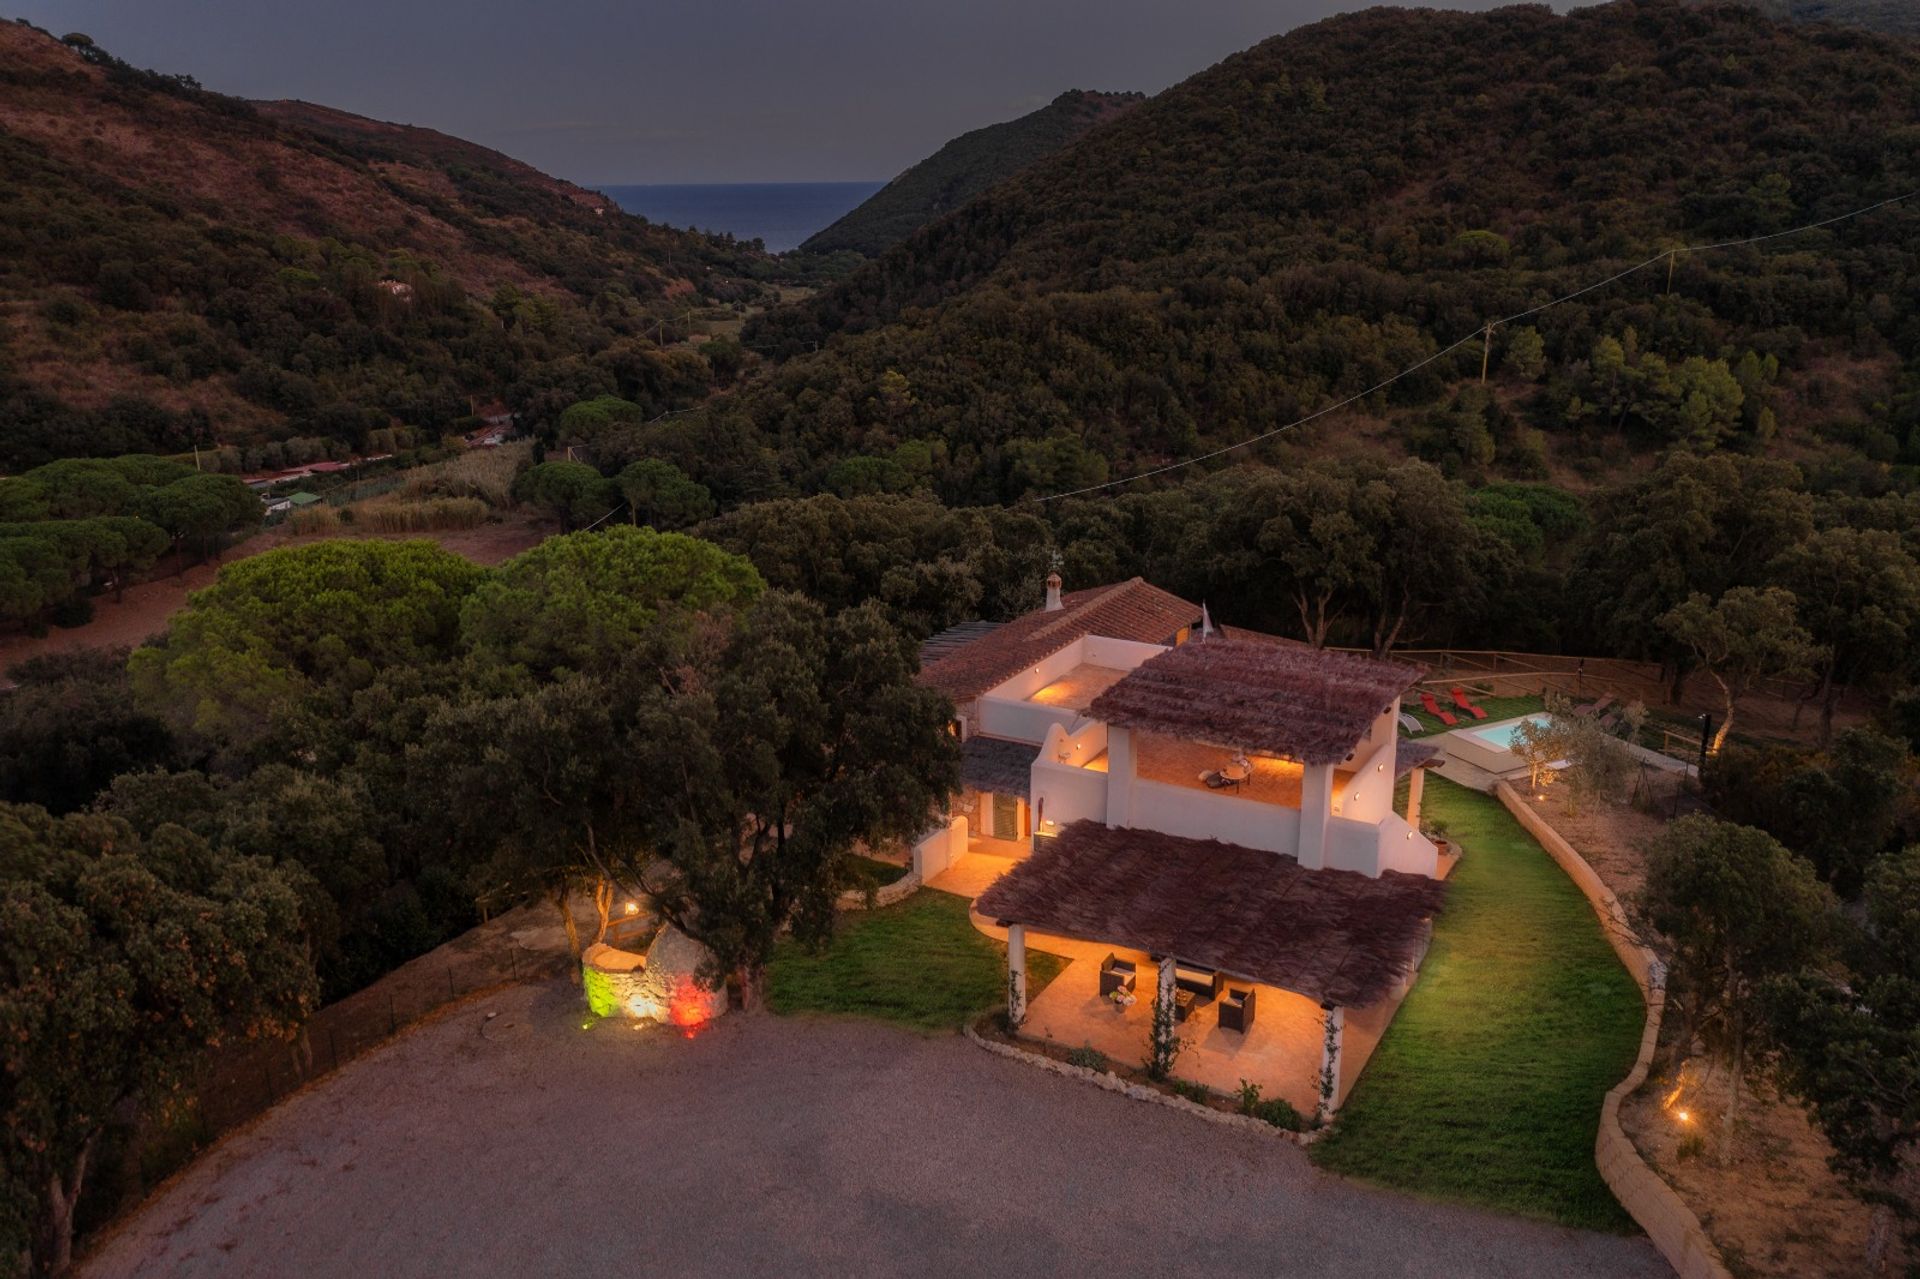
{"x": 1368, "y": 794}
{"x": 1039, "y": 675}
{"x": 1197, "y": 814}
{"x": 1119, "y": 654}
{"x": 1403, "y": 848}
{"x": 1063, "y": 794}
{"x": 1022, "y": 721}
{"x": 1353, "y": 846}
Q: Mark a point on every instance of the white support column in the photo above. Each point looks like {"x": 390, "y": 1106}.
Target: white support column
{"x": 1120, "y": 774}
{"x": 1416, "y": 782}
{"x": 1333, "y": 1035}
{"x": 1016, "y": 974}
{"x": 1316, "y": 806}
{"x": 1165, "y": 988}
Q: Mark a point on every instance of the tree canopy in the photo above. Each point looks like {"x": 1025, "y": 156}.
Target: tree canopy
{"x": 122, "y": 963}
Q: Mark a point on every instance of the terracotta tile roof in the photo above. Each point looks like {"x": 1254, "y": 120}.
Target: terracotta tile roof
{"x": 998, "y": 766}
{"x": 1332, "y": 935}
{"x": 1130, "y": 610}
{"x": 1307, "y": 704}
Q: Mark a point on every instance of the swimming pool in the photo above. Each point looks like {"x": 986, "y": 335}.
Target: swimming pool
{"x": 1500, "y": 736}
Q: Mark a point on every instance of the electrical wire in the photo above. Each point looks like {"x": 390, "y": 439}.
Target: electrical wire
{"x": 1485, "y": 329}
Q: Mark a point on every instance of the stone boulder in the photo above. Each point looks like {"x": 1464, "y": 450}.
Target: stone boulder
{"x": 663, "y": 986}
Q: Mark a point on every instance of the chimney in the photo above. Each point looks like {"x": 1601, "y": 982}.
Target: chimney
{"x": 1053, "y": 593}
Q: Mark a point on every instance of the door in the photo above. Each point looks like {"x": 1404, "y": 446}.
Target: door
{"x": 1006, "y": 817}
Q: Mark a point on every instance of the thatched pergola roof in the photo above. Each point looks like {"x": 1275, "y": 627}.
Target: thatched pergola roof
{"x": 1335, "y": 936}
{"x": 1305, "y": 704}
{"x": 1130, "y": 610}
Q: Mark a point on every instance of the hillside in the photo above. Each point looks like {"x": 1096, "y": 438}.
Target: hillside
{"x": 1295, "y": 224}
{"x": 1894, "y": 17}
{"x": 965, "y": 167}
{"x": 1897, "y": 17}
{"x": 177, "y": 267}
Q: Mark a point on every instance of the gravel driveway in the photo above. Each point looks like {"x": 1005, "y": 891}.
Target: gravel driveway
{"x": 525, "y": 1145}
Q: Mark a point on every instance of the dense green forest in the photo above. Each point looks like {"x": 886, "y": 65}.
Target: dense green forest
{"x": 965, "y": 167}
{"x": 184, "y": 268}
{"x": 1304, "y": 219}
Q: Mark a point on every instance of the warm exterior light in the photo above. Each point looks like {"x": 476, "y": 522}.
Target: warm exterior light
{"x": 1683, "y": 1116}
{"x": 633, "y": 908}
{"x": 1379, "y": 768}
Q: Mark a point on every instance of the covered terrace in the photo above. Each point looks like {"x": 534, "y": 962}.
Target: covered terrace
{"x": 1325, "y": 954}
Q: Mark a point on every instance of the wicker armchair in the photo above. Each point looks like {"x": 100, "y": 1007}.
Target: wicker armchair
{"x": 1115, "y": 974}
{"x": 1236, "y": 1009}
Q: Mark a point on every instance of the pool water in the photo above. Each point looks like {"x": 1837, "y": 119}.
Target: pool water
{"x": 1500, "y": 736}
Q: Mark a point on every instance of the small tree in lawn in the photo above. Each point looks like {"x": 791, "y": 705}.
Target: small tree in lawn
{"x": 1735, "y": 909}
{"x": 775, "y": 752}
{"x": 1747, "y": 635}
{"x": 121, "y": 964}
{"x": 1543, "y": 743}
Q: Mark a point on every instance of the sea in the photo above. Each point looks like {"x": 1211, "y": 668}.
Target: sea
{"x": 781, "y": 214}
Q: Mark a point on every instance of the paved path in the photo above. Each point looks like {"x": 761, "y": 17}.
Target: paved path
{"x": 527, "y": 1145}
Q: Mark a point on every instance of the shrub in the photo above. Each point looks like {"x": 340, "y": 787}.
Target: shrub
{"x": 1190, "y": 1090}
{"x": 75, "y": 610}
{"x": 1087, "y": 1057}
{"x": 1277, "y": 1111}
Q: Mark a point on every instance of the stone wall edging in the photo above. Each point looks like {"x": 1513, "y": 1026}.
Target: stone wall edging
{"x": 1644, "y": 1193}
{"x": 886, "y": 895}
{"x": 1138, "y": 1092}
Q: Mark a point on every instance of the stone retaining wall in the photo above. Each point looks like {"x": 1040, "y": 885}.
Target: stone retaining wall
{"x": 886, "y": 895}
{"x": 1138, "y": 1092}
{"x": 1646, "y": 1196}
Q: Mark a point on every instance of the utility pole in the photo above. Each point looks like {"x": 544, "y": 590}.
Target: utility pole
{"x": 1673, "y": 255}
{"x": 1486, "y": 353}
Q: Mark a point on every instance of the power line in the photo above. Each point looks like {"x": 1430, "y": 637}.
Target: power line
{"x": 1663, "y": 256}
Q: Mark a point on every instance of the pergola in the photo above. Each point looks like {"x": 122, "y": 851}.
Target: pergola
{"x": 1342, "y": 939}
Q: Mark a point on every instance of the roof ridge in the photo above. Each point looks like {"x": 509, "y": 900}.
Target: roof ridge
{"x": 1085, "y": 606}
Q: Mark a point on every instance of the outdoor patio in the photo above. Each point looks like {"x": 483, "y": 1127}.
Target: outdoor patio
{"x": 1281, "y": 1052}
{"x": 1078, "y": 687}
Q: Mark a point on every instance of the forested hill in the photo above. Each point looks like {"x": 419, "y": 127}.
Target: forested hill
{"x": 965, "y": 167}
{"x": 178, "y": 266}
{"x": 1304, "y": 219}
{"x": 1896, "y": 17}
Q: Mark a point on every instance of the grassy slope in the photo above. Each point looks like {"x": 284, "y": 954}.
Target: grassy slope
{"x": 921, "y": 963}
{"x": 1487, "y": 1087}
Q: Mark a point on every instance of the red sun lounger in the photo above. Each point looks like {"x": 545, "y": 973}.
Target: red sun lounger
{"x": 1460, "y": 700}
{"x": 1433, "y": 709}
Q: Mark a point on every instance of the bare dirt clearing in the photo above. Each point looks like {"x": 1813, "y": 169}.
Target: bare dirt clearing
{"x": 525, "y": 1144}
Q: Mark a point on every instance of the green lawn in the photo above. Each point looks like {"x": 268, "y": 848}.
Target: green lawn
{"x": 883, "y": 873}
{"x": 1497, "y": 708}
{"x": 921, "y": 963}
{"x": 1487, "y": 1086}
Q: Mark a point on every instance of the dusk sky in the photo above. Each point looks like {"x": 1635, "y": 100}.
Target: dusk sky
{"x": 603, "y": 92}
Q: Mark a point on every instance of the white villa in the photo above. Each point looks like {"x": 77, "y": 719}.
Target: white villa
{"x": 1211, "y": 815}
